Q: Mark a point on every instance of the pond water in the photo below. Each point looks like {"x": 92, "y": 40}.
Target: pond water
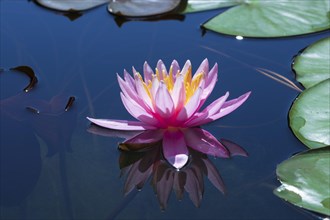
{"x": 53, "y": 166}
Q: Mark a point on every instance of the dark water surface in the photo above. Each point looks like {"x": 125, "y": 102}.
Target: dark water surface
{"x": 53, "y": 168}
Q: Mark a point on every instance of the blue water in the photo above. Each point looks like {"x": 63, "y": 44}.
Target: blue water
{"x": 53, "y": 168}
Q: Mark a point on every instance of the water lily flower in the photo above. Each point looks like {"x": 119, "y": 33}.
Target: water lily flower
{"x": 172, "y": 101}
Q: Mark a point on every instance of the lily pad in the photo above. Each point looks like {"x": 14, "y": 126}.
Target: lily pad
{"x": 198, "y": 5}
{"x": 305, "y": 180}
{"x": 264, "y": 18}
{"x": 142, "y": 8}
{"x": 310, "y": 115}
{"x": 71, "y": 5}
{"x": 313, "y": 64}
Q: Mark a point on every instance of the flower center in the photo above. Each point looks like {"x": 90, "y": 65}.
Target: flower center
{"x": 190, "y": 83}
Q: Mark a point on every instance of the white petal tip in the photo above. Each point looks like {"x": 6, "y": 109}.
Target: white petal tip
{"x": 178, "y": 161}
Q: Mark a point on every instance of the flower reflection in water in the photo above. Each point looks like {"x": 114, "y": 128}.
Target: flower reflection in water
{"x": 140, "y": 161}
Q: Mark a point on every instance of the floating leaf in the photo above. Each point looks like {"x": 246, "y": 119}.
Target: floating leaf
{"x": 203, "y": 5}
{"x": 30, "y": 73}
{"x": 71, "y": 5}
{"x": 142, "y": 8}
{"x": 266, "y": 18}
{"x": 310, "y": 117}
{"x": 305, "y": 180}
{"x": 313, "y": 64}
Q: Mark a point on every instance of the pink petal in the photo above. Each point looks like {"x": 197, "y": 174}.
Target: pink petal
{"x": 130, "y": 92}
{"x": 186, "y": 67}
{"x": 203, "y": 68}
{"x": 230, "y": 106}
{"x": 147, "y": 71}
{"x": 175, "y": 68}
{"x": 211, "y": 109}
{"x": 212, "y": 75}
{"x": 204, "y": 142}
{"x": 164, "y": 105}
{"x": 210, "y": 81}
{"x": 149, "y": 136}
{"x": 178, "y": 93}
{"x": 138, "y": 112}
{"x": 154, "y": 88}
{"x": 129, "y": 79}
{"x": 175, "y": 149}
{"x": 161, "y": 69}
{"x": 191, "y": 107}
{"x": 121, "y": 124}
{"x": 215, "y": 106}
{"x": 135, "y": 73}
{"x": 142, "y": 93}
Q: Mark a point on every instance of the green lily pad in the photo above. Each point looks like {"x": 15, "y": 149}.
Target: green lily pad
{"x": 264, "y": 18}
{"x": 198, "y": 5}
{"x": 310, "y": 115}
{"x": 71, "y": 5}
{"x": 313, "y": 64}
{"x": 305, "y": 180}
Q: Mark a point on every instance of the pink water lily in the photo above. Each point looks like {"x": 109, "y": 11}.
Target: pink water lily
{"x": 172, "y": 100}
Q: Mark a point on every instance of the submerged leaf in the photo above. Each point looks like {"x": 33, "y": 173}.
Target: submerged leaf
{"x": 142, "y": 8}
{"x": 310, "y": 115}
{"x": 305, "y": 180}
{"x": 266, "y": 18}
{"x": 313, "y": 64}
{"x": 71, "y": 5}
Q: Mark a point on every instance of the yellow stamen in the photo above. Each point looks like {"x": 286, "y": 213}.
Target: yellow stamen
{"x": 190, "y": 84}
{"x": 187, "y": 84}
{"x": 196, "y": 81}
{"x": 187, "y": 77}
{"x": 171, "y": 76}
{"x": 157, "y": 74}
{"x": 164, "y": 74}
{"x": 169, "y": 81}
